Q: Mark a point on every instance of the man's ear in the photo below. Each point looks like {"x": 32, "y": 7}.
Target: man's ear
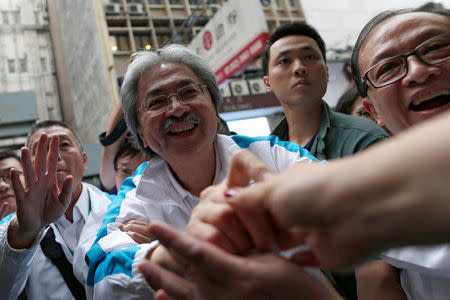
{"x": 371, "y": 110}
{"x": 142, "y": 138}
{"x": 267, "y": 83}
{"x": 328, "y": 75}
{"x": 85, "y": 160}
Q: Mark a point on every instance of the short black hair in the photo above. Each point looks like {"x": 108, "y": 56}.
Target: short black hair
{"x": 6, "y": 153}
{"x": 296, "y": 28}
{"x": 362, "y": 87}
{"x": 346, "y": 101}
{"x": 50, "y": 123}
{"x": 126, "y": 149}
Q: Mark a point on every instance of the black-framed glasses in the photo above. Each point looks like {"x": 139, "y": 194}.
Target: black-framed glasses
{"x": 6, "y": 176}
{"x": 187, "y": 94}
{"x": 431, "y": 52}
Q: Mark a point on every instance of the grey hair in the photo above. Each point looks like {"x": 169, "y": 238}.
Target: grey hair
{"x": 144, "y": 60}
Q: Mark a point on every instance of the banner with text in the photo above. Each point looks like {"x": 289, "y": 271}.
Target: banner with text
{"x": 233, "y": 37}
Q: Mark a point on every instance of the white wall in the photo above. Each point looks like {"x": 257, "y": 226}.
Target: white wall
{"x": 339, "y": 22}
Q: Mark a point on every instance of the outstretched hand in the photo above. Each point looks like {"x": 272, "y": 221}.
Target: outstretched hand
{"x": 40, "y": 201}
{"x": 215, "y": 274}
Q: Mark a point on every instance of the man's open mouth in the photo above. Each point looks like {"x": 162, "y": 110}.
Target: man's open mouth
{"x": 182, "y": 130}
{"x": 430, "y": 101}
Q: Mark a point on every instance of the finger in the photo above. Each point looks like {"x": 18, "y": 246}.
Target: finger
{"x": 52, "y": 157}
{"x": 210, "y": 234}
{"x": 3, "y": 210}
{"x": 28, "y": 169}
{"x": 162, "y": 295}
{"x": 65, "y": 194}
{"x": 139, "y": 238}
{"x": 305, "y": 259}
{"x": 160, "y": 278}
{"x": 18, "y": 188}
{"x": 221, "y": 216}
{"x": 256, "y": 219}
{"x": 41, "y": 154}
{"x": 205, "y": 257}
{"x": 245, "y": 167}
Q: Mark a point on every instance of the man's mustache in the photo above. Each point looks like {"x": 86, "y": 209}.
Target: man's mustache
{"x": 172, "y": 120}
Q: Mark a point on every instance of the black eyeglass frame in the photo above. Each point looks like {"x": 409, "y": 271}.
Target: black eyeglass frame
{"x": 366, "y": 78}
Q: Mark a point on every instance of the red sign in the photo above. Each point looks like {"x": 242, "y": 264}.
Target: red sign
{"x": 253, "y": 49}
{"x": 207, "y": 40}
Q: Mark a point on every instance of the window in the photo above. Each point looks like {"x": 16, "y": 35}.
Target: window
{"x": 142, "y": 42}
{"x": 43, "y": 64}
{"x": 11, "y": 66}
{"x": 175, "y": 1}
{"x": 36, "y": 17}
{"x": 292, "y": 4}
{"x": 134, "y": 1}
{"x": 115, "y": 1}
{"x": 23, "y": 65}
{"x": 277, "y": 3}
{"x": 123, "y": 43}
{"x": 16, "y": 15}
{"x": 5, "y": 17}
{"x": 158, "y": 2}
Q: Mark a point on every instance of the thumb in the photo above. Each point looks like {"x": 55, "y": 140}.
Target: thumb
{"x": 246, "y": 168}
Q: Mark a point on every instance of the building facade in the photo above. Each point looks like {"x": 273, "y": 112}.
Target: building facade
{"x": 28, "y": 84}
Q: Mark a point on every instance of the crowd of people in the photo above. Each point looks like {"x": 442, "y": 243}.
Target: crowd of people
{"x": 330, "y": 206}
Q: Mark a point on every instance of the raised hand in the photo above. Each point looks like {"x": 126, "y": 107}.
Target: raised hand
{"x": 39, "y": 202}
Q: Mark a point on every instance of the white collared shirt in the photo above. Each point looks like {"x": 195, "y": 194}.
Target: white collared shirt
{"x": 30, "y": 270}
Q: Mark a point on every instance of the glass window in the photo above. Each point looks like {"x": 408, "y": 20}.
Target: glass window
{"x": 11, "y": 66}
{"x": 43, "y": 64}
{"x": 123, "y": 43}
{"x": 292, "y": 3}
{"x": 115, "y": 1}
{"x": 113, "y": 42}
{"x": 23, "y": 65}
{"x": 175, "y": 1}
{"x": 158, "y": 2}
{"x": 134, "y": 1}
{"x": 36, "y": 17}
{"x": 16, "y": 15}
{"x": 142, "y": 42}
{"x": 5, "y": 17}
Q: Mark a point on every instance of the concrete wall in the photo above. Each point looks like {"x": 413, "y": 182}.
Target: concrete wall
{"x": 84, "y": 68}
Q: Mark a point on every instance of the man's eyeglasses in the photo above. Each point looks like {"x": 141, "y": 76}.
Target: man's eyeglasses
{"x": 433, "y": 51}
{"x": 6, "y": 176}
{"x": 160, "y": 104}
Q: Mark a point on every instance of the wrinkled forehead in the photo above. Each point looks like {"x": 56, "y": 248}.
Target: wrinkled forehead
{"x": 400, "y": 34}
{"x": 62, "y": 132}
{"x": 8, "y": 163}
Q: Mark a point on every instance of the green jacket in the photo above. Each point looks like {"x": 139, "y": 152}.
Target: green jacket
{"x": 339, "y": 134}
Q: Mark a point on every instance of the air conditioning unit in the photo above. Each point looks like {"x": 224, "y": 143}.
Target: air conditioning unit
{"x": 257, "y": 86}
{"x": 239, "y": 87}
{"x": 135, "y": 9}
{"x": 112, "y": 8}
{"x": 225, "y": 90}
